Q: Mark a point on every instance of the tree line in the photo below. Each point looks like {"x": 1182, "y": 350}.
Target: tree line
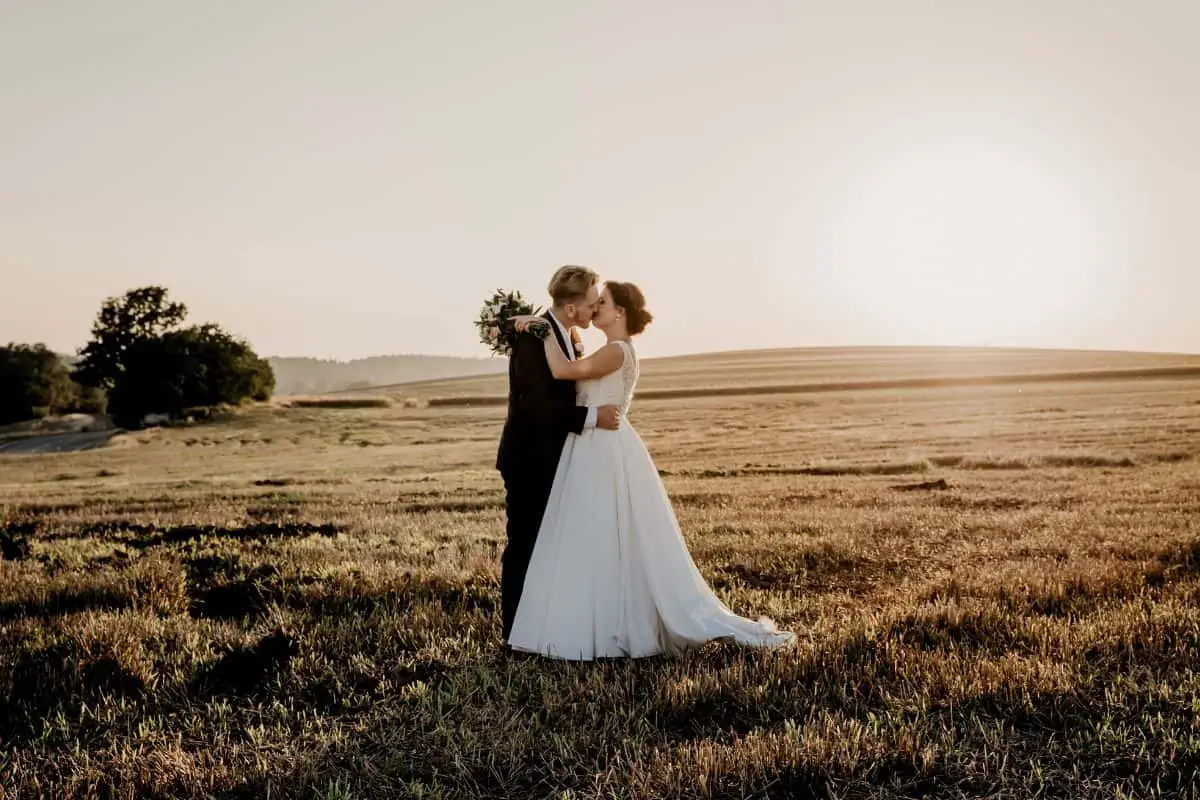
{"x": 141, "y": 359}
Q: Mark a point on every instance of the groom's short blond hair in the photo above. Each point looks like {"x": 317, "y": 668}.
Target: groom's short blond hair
{"x": 571, "y": 283}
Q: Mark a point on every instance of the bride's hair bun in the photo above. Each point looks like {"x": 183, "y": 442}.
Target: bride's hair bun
{"x": 629, "y": 298}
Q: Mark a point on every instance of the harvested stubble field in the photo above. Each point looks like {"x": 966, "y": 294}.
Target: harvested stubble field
{"x": 997, "y": 591}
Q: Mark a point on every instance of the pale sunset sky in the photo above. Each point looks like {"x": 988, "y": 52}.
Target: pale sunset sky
{"x": 344, "y": 179}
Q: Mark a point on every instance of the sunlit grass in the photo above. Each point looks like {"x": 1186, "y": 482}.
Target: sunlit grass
{"x": 996, "y": 590}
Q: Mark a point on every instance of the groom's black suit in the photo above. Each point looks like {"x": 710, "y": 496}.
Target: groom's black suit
{"x": 541, "y": 412}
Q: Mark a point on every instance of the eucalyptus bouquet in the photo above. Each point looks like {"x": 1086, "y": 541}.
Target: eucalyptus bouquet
{"x": 495, "y": 323}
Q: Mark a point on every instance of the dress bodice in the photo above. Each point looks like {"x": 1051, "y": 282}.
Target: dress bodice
{"x": 613, "y": 389}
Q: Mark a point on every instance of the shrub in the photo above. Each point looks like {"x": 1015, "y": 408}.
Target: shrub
{"x": 34, "y": 383}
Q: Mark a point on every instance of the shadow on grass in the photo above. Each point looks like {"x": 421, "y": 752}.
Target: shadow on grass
{"x": 58, "y": 677}
{"x": 824, "y": 470}
{"x": 60, "y": 602}
{"x": 1054, "y": 460}
{"x": 985, "y": 630}
{"x": 452, "y": 506}
{"x": 398, "y": 597}
{"x": 145, "y": 535}
{"x": 220, "y": 587}
{"x": 247, "y": 671}
{"x": 810, "y": 569}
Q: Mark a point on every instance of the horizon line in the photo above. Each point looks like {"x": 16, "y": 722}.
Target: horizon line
{"x": 734, "y": 351}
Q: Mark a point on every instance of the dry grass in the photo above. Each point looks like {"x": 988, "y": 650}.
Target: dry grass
{"x": 996, "y": 588}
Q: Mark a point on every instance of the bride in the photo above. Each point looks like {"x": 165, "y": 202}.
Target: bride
{"x": 611, "y": 575}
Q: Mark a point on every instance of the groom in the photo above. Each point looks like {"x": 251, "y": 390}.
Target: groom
{"x": 541, "y": 412}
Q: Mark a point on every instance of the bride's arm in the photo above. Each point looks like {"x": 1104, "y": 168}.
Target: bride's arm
{"x": 605, "y": 360}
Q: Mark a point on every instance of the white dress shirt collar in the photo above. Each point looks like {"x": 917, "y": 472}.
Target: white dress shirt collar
{"x": 566, "y": 336}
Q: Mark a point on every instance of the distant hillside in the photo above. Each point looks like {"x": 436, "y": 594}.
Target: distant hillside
{"x": 318, "y": 376}
{"x": 786, "y": 370}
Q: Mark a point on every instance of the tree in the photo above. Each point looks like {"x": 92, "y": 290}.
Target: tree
{"x": 158, "y": 375}
{"x": 191, "y": 367}
{"x": 233, "y": 372}
{"x": 148, "y": 363}
{"x": 138, "y": 316}
{"x": 88, "y": 400}
{"x": 34, "y": 383}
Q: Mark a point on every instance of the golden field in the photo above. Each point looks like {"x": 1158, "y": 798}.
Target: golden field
{"x": 996, "y": 590}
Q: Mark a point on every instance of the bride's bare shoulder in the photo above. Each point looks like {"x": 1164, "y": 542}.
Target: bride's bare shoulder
{"x": 617, "y": 350}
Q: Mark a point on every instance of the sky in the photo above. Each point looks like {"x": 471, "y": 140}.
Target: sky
{"x": 345, "y": 179}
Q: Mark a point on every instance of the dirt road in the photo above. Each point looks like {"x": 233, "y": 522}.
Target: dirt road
{"x": 58, "y": 443}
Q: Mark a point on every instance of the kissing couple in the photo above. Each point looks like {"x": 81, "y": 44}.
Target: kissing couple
{"x": 595, "y": 565}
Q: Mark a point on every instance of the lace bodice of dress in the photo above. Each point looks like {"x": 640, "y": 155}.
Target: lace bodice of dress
{"x": 615, "y": 388}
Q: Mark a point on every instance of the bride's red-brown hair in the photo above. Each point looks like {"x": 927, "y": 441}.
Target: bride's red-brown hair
{"x": 629, "y": 298}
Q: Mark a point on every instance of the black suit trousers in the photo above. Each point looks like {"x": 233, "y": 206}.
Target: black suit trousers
{"x": 526, "y": 494}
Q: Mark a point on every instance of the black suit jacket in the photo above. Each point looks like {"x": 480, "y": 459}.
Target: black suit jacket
{"x": 541, "y": 410}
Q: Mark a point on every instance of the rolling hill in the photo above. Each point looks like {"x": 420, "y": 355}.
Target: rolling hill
{"x": 760, "y": 370}
{"x": 295, "y": 376}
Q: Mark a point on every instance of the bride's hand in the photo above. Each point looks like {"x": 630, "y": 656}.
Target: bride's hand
{"x": 525, "y": 321}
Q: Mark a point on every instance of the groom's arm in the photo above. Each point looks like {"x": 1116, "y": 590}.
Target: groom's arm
{"x": 534, "y": 390}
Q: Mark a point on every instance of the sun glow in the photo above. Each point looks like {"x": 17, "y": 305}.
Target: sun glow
{"x": 960, "y": 245}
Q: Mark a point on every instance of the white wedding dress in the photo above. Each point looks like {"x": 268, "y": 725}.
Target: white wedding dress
{"x": 611, "y": 575}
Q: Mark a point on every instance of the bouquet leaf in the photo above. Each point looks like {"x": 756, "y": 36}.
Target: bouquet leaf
{"x": 496, "y": 329}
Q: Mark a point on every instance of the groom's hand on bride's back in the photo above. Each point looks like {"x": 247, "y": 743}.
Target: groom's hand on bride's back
{"x": 608, "y": 417}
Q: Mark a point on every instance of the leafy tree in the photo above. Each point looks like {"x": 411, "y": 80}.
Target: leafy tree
{"x": 34, "y": 383}
{"x": 87, "y": 400}
{"x": 233, "y": 372}
{"x": 195, "y": 366}
{"x": 138, "y": 316}
{"x": 157, "y": 376}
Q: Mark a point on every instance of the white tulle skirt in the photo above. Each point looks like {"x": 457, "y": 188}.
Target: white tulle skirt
{"x": 611, "y": 575}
